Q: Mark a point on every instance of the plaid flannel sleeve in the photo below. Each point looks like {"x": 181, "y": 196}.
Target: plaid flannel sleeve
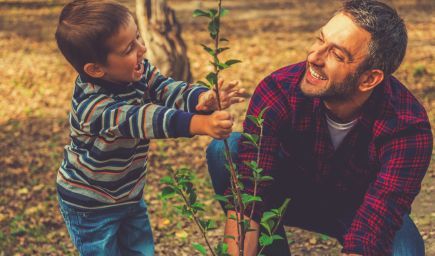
{"x": 404, "y": 162}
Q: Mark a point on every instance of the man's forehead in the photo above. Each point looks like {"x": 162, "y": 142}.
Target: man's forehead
{"x": 343, "y": 31}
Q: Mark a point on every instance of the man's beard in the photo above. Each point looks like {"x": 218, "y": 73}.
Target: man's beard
{"x": 337, "y": 92}
{"x": 343, "y": 91}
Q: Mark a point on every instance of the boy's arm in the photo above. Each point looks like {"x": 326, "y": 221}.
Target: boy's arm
{"x": 167, "y": 92}
{"x": 101, "y": 115}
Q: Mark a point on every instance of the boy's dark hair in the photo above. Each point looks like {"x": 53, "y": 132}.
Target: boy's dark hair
{"x": 389, "y": 38}
{"x": 84, "y": 28}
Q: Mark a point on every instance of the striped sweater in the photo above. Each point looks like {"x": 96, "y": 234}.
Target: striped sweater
{"x": 111, "y": 127}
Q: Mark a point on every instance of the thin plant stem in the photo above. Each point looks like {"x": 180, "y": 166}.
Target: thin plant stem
{"x": 256, "y": 181}
{"x": 227, "y": 148}
{"x": 195, "y": 218}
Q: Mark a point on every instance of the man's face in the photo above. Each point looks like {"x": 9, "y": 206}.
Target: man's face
{"x": 333, "y": 60}
{"x": 125, "y": 60}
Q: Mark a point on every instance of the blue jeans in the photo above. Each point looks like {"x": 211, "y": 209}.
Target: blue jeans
{"x": 124, "y": 230}
{"x": 407, "y": 241}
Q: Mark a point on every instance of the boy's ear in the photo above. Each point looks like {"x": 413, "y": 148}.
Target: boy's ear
{"x": 94, "y": 70}
{"x": 370, "y": 79}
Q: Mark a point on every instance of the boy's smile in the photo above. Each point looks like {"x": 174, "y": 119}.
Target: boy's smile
{"x": 125, "y": 59}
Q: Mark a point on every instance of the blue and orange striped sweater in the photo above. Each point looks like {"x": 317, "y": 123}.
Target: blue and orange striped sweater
{"x": 111, "y": 126}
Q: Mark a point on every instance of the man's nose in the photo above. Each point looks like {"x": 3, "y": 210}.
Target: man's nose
{"x": 317, "y": 55}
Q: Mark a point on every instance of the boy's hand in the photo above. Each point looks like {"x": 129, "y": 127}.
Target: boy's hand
{"x": 217, "y": 125}
{"x": 229, "y": 94}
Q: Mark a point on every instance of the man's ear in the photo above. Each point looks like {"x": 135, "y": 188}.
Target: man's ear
{"x": 94, "y": 70}
{"x": 370, "y": 79}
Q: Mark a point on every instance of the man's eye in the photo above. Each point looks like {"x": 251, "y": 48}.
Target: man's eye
{"x": 319, "y": 39}
{"x": 338, "y": 57}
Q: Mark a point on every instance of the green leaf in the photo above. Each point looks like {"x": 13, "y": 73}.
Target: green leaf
{"x": 224, "y": 12}
{"x": 222, "y": 49}
{"x": 232, "y": 217}
{"x": 265, "y": 178}
{"x": 277, "y": 237}
{"x": 213, "y": 28}
{"x": 265, "y": 240}
{"x": 167, "y": 192}
{"x": 268, "y": 215}
{"x": 222, "y": 249}
{"x": 254, "y": 120}
{"x": 251, "y": 137}
{"x": 283, "y": 207}
{"x": 192, "y": 197}
{"x": 167, "y": 180}
{"x": 213, "y": 12}
{"x": 232, "y": 62}
{"x": 212, "y": 78}
{"x": 198, "y": 13}
{"x": 204, "y": 84}
{"x": 260, "y": 116}
{"x": 230, "y": 237}
{"x": 208, "y": 49}
{"x": 247, "y": 198}
{"x": 198, "y": 206}
{"x": 200, "y": 248}
{"x": 221, "y": 198}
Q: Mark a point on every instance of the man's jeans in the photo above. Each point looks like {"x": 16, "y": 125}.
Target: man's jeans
{"x": 407, "y": 241}
{"x": 124, "y": 230}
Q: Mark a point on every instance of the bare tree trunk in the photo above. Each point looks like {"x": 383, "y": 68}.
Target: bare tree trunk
{"x": 162, "y": 35}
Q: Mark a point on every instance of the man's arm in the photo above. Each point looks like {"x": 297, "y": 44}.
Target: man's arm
{"x": 251, "y": 238}
{"x": 404, "y": 162}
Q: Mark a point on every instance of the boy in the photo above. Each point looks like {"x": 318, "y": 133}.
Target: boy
{"x": 120, "y": 102}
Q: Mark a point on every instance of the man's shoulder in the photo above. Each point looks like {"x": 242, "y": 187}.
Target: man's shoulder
{"x": 403, "y": 103}
{"x": 291, "y": 73}
{"x": 401, "y": 110}
{"x": 285, "y": 78}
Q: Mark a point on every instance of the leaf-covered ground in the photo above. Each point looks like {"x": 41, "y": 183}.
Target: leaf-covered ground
{"x": 36, "y": 85}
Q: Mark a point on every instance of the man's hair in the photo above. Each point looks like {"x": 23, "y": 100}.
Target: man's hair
{"x": 388, "y": 33}
{"x": 84, "y": 28}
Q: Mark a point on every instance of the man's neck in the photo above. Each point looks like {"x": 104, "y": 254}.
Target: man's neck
{"x": 346, "y": 111}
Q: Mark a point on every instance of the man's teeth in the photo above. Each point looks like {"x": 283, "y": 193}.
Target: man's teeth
{"x": 316, "y": 75}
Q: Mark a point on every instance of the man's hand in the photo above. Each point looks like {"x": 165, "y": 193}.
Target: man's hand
{"x": 251, "y": 238}
{"x": 217, "y": 125}
{"x": 229, "y": 94}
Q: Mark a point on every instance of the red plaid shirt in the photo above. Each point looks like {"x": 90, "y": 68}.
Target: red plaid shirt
{"x": 378, "y": 168}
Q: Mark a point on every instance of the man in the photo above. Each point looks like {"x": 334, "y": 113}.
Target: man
{"x": 343, "y": 138}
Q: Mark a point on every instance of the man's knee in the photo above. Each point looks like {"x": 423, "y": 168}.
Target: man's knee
{"x": 408, "y": 240}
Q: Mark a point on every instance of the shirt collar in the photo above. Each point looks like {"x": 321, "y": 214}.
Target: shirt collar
{"x": 109, "y": 86}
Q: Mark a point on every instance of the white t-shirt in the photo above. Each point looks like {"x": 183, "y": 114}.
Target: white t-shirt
{"x": 338, "y": 130}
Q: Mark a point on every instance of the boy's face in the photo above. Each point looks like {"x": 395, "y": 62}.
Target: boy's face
{"x": 125, "y": 59}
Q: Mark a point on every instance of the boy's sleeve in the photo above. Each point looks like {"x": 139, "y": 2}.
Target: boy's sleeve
{"x": 167, "y": 92}
{"x": 101, "y": 115}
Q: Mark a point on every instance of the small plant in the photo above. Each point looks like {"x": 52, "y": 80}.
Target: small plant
{"x": 180, "y": 185}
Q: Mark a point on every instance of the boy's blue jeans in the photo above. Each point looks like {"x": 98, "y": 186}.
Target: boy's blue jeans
{"x": 123, "y": 230}
{"x": 407, "y": 241}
